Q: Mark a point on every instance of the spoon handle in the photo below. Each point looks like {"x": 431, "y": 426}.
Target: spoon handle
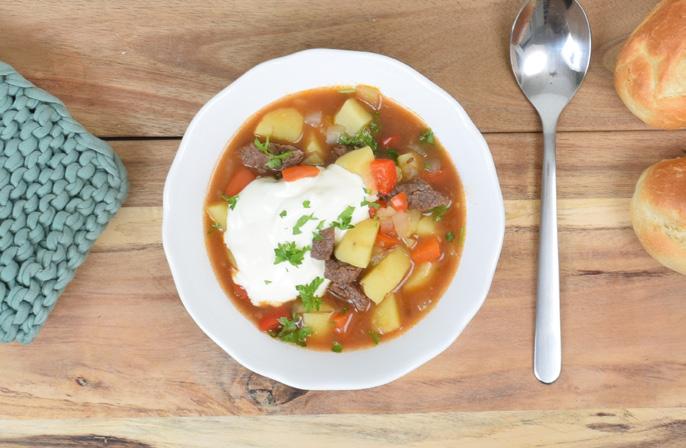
{"x": 548, "y": 344}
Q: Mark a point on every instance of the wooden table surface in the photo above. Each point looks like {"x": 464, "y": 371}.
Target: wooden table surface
{"x": 120, "y": 363}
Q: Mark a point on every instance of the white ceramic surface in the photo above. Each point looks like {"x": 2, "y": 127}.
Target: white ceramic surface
{"x": 183, "y": 232}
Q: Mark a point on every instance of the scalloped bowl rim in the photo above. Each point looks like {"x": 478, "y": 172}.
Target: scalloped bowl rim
{"x": 183, "y": 234}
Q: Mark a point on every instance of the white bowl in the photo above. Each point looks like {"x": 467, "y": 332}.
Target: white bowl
{"x": 183, "y": 232}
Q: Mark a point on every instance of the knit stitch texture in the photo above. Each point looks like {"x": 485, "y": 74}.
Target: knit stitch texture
{"x": 59, "y": 187}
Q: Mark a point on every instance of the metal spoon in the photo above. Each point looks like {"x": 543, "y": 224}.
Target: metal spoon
{"x": 550, "y": 50}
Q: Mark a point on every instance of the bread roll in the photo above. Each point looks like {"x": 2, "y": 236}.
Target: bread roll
{"x": 650, "y": 76}
{"x": 658, "y": 212}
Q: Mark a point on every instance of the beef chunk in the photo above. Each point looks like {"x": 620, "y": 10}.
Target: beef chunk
{"x": 341, "y": 273}
{"x": 352, "y": 294}
{"x": 322, "y": 247}
{"x": 339, "y": 150}
{"x": 256, "y": 159}
{"x": 421, "y": 196}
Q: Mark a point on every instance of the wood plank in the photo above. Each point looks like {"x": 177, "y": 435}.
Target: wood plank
{"x": 102, "y": 58}
{"x": 120, "y": 344}
{"x": 664, "y": 428}
{"x": 590, "y": 164}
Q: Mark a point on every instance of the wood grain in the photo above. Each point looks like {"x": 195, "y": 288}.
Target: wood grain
{"x": 122, "y": 76}
{"x": 119, "y": 343}
{"x": 598, "y": 428}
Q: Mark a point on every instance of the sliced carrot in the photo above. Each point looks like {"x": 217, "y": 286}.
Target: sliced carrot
{"x": 384, "y": 240}
{"x": 299, "y": 172}
{"x": 399, "y": 202}
{"x": 427, "y": 249}
{"x": 341, "y": 321}
{"x": 271, "y": 321}
{"x": 384, "y": 174}
{"x": 239, "y": 180}
{"x": 433, "y": 177}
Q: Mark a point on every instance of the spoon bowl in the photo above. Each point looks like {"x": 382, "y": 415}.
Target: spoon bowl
{"x": 550, "y": 51}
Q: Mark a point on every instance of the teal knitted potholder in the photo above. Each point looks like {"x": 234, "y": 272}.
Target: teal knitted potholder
{"x": 59, "y": 186}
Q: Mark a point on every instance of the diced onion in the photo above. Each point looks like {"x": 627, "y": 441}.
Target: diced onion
{"x": 333, "y": 133}
{"x": 432, "y": 165}
{"x": 314, "y": 119}
{"x": 401, "y": 222}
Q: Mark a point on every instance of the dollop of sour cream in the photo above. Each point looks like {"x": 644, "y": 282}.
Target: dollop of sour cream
{"x": 271, "y": 212}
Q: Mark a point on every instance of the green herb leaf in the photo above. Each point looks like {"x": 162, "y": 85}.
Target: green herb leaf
{"x": 231, "y": 200}
{"x": 449, "y": 236}
{"x": 267, "y": 282}
{"x": 301, "y": 222}
{"x": 317, "y": 236}
{"x": 427, "y": 137}
{"x": 336, "y": 347}
{"x": 306, "y": 203}
{"x": 376, "y": 336}
{"x": 343, "y": 221}
{"x": 375, "y": 125}
{"x": 389, "y": 153}
{"x": 363, "y": 138}
{"x": 292, "y": 332}
{"x": 283, "y": 213}
{"x": 290, "y": 252}
{"x": 274, "y": 160}
{"x": 308, "y": 296}
{"x": 438, "y": 212}
{"x": 371, "y": 204}
{"x": 346, "y": 90}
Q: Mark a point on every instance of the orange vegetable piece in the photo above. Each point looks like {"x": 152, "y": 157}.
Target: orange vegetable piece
{"x": 239, "y": 180}
{"x": 299, "y": 172}
{"x": 427, "y": 249}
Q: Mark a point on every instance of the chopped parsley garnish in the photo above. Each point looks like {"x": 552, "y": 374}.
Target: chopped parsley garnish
{"x": 308, "y": 296}
{"x": 301, "y": 222}
{"x": 376, "y": 337}
{"x": 363, "y": 138}
{"x": 449, "y": 236}
{"x": 346, "y": 90}
{"x": 317, "y": 236}
{"x": 283, "y": 213}
{"x": 371, "y": 204}
{"x": 291, "y": 332}
{"x": 274, "y": 160}
{"x": 366, "y": 190}
{"x": 231, "y": 200}
{"x": 438, "y": 212}
{"x": 290, "y": 252}
{"x": 427, "y": 137}
{"x": 267, "y": 282}
{"x": 336, "y": 347}
{"x": 306, "y": 203}
{"x": 389, "y": 153}
{"x": 375, "y": 125}
{"x": 343, "y": 221}
{"x": 215, "y": 226}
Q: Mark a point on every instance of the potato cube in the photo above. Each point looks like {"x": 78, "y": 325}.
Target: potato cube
{"x": 411, "y": 164}
{"x": 315, "y": 153}
{"x": 281, "y": 124}
{"x": 427, "y": 226}
{"x": 217, "y": 213}
{"x": 420, "y": 276}
{"x": 385, "y": 276}
{"x": 352, "y": 116}
{"x": 386, "y": 317}
{"x": 356, "y": 246}
{"x": 359, "y": 162}
{"x": 320, "y": 323}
